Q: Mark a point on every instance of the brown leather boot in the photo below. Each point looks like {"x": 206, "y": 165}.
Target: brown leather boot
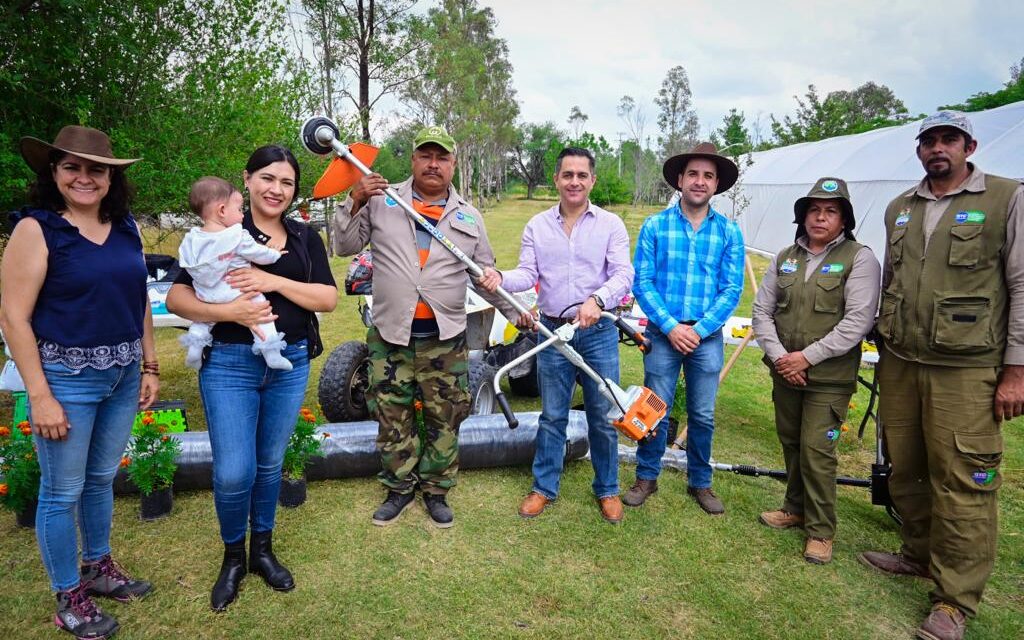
{"x": 533, "y": 505}
{"x": 945, "y": 622}
{"x": 611, "y": 509}
{"x": 781, "y": 519}
{"x": 895, "y": 564}
{"x": 707, "y": 500}
{"x": 818, "y": 550}
{"x": 639, "y": 492}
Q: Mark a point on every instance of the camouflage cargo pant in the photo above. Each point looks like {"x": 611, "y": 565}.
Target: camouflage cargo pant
{"x": 440, "y": 371}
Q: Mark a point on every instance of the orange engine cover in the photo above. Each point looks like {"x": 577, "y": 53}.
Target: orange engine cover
{"x": 642, "y": 416}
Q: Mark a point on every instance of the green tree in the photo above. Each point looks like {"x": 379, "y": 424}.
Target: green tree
{"x": 577, "y": 120}
{"x": 466, "y": 86}
{"x": 869, "y": 106}
{"x": 733, "y": 136}
{"x": 191, "y": 86}
{"x": 676, "y": 118}
{"x": 1012, "y": 91}
{"x": 534, "y": 154}
{"x": 371, "y": 44}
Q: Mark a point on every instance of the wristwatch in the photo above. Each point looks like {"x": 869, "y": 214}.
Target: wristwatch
{"x": 598, "y": 300}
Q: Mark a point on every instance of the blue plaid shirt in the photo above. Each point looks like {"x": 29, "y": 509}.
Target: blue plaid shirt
{"x": 686, "y": 275}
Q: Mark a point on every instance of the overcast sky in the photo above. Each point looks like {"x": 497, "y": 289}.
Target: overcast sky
{"x": 754, "y": 56}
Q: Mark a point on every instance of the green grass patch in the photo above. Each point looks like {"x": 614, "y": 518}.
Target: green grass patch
{"x": 668, "y": 571}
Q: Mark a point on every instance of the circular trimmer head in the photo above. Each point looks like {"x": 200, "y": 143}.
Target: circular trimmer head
{"x": 317, "y": 134}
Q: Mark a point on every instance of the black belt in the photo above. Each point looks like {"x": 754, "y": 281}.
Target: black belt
{"x": 689, "y": 323}
{"x": 555, "y": 321}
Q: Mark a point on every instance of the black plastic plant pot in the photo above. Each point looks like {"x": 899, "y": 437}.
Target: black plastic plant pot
{"x": 293, "y": 492}
{"x": 27, "y": 517}
{"x": 157, "y": 504}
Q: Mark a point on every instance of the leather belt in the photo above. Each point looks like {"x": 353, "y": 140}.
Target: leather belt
{"x": 554, "y": 320}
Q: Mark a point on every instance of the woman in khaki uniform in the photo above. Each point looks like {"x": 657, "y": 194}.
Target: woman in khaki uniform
{"x": 815, "y": 306}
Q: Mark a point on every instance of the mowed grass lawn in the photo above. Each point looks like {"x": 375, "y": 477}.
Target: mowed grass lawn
{"x": 668, "y": 571}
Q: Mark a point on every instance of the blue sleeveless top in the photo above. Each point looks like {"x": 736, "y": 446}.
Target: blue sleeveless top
{"x": 92, "y": 303}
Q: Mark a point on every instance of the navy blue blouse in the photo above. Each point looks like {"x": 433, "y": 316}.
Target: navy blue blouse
{"x": 93, "y": 295}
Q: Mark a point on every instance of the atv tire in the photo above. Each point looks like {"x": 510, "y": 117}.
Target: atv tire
{"x": 482, "y": 396}
{"x": 344, "y": 381}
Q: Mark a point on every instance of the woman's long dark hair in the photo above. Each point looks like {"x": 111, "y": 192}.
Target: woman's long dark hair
{"x": 44, "y": 194}
{"x": 270, "y": 154}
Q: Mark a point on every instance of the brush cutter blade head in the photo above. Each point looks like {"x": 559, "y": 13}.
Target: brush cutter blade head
{"x": 316, "y": 135}
{"x": 643, "y": 413}
{"x": 342, "y": 174}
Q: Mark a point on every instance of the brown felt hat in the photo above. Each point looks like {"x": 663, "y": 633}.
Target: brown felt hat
{"x": 728, "y": 172}
{"x": 84, "y": 142}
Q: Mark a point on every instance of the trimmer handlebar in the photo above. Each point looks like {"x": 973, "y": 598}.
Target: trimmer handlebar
{"x": 510, "y": 417}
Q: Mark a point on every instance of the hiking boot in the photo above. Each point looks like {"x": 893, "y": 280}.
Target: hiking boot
{"x": 707, "y": 500}
{"x": 392, "y": 507}
{"x": 108, "y": 579}
{"x": 945, "y": 622}
{"x": 263, "y": 562}
{"x": 639, "y": 492}
{"x": 895, "y": 564}
{"x": 818, "y": 550}
{"x": 232, "y": 570}
{"x": 533, "y": 505}
{"x": 611, "y": 509}
{"x": 781, "y": 519}
{"x": 78, "y": 615}
{"x": 438, "y": 510}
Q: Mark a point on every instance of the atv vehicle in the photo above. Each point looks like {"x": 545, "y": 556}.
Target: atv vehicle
{"x": 491, "y": 339}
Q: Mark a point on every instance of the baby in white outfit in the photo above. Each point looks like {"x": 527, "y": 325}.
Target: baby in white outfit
{"x": 209, "y": 252}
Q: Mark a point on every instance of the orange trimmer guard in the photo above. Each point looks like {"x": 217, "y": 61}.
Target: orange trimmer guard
{"x": 642, "y": 415}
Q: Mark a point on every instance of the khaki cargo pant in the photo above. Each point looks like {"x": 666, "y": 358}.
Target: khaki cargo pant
{"x": 945, "y": 447}
{"x": 440, "y": 370}
{"x": 808, "y": 423}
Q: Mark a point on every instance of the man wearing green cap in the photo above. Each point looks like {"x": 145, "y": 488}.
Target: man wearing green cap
{"x": 816, "y": 304}
{"x": 952, "y": 320}
{"x": 417, "y": 342}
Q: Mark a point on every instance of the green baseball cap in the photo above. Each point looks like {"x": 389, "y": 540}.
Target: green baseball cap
{"x": 436, "y": 135}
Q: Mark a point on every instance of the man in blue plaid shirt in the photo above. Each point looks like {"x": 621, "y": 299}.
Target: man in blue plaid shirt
{"x": 689, "y": 276}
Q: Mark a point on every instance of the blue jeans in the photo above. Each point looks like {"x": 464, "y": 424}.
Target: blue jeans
{"x": 599, "y": 346}
{"x": 78, "y": 473}
{"x": 700, "y": 372}
{"x": 251, "y": 412}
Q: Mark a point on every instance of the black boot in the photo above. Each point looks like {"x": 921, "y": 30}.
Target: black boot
{"x": 263, "y": 563}
{"x": 232, "y": 570}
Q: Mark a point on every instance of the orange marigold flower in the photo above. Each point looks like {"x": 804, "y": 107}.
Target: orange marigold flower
{"x": 164, "y": 438}
{"x": 5, "y": 431}
{"x": 161, "y": 429}
{"x": 24, "y": 424}
{"x": 3, "y": 489}
{"x": 845, "y": 427}
{"x": 148, "y": 420}
{"x": 125, "y": 461}
{"x": 418, "y": 405}
{"x": 26, "y": 431}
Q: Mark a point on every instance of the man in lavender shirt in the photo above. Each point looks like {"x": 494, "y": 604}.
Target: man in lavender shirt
{"x": 579, "y": 253}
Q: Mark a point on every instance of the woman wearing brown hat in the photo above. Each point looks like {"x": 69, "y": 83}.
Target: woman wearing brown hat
{"x": 76, "y": 317}
{"x": 816, "y": 304}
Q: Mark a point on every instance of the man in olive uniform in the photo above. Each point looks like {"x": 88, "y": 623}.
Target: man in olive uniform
{"x": 952, "y": 319}
{"x": 815, "y": 306}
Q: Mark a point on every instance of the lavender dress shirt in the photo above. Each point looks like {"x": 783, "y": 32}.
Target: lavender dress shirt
{"x": 594, "y": 258}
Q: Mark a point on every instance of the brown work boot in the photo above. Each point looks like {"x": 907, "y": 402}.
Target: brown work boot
{"x": 945, "y": 622}
{"x": 533, "y": 505}
{"x": 707, "y": 500}
{"x": 895, "y": 564}
{"x": 818, "y": 550}
{"x": 781, "y": 519}
{"x": 639, "y": 492}
{"x": 611, "y": 509}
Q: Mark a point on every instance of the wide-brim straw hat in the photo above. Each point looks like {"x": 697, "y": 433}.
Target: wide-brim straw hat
{"x": 728, "y": 172}
{"x": 84, "y": 142}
